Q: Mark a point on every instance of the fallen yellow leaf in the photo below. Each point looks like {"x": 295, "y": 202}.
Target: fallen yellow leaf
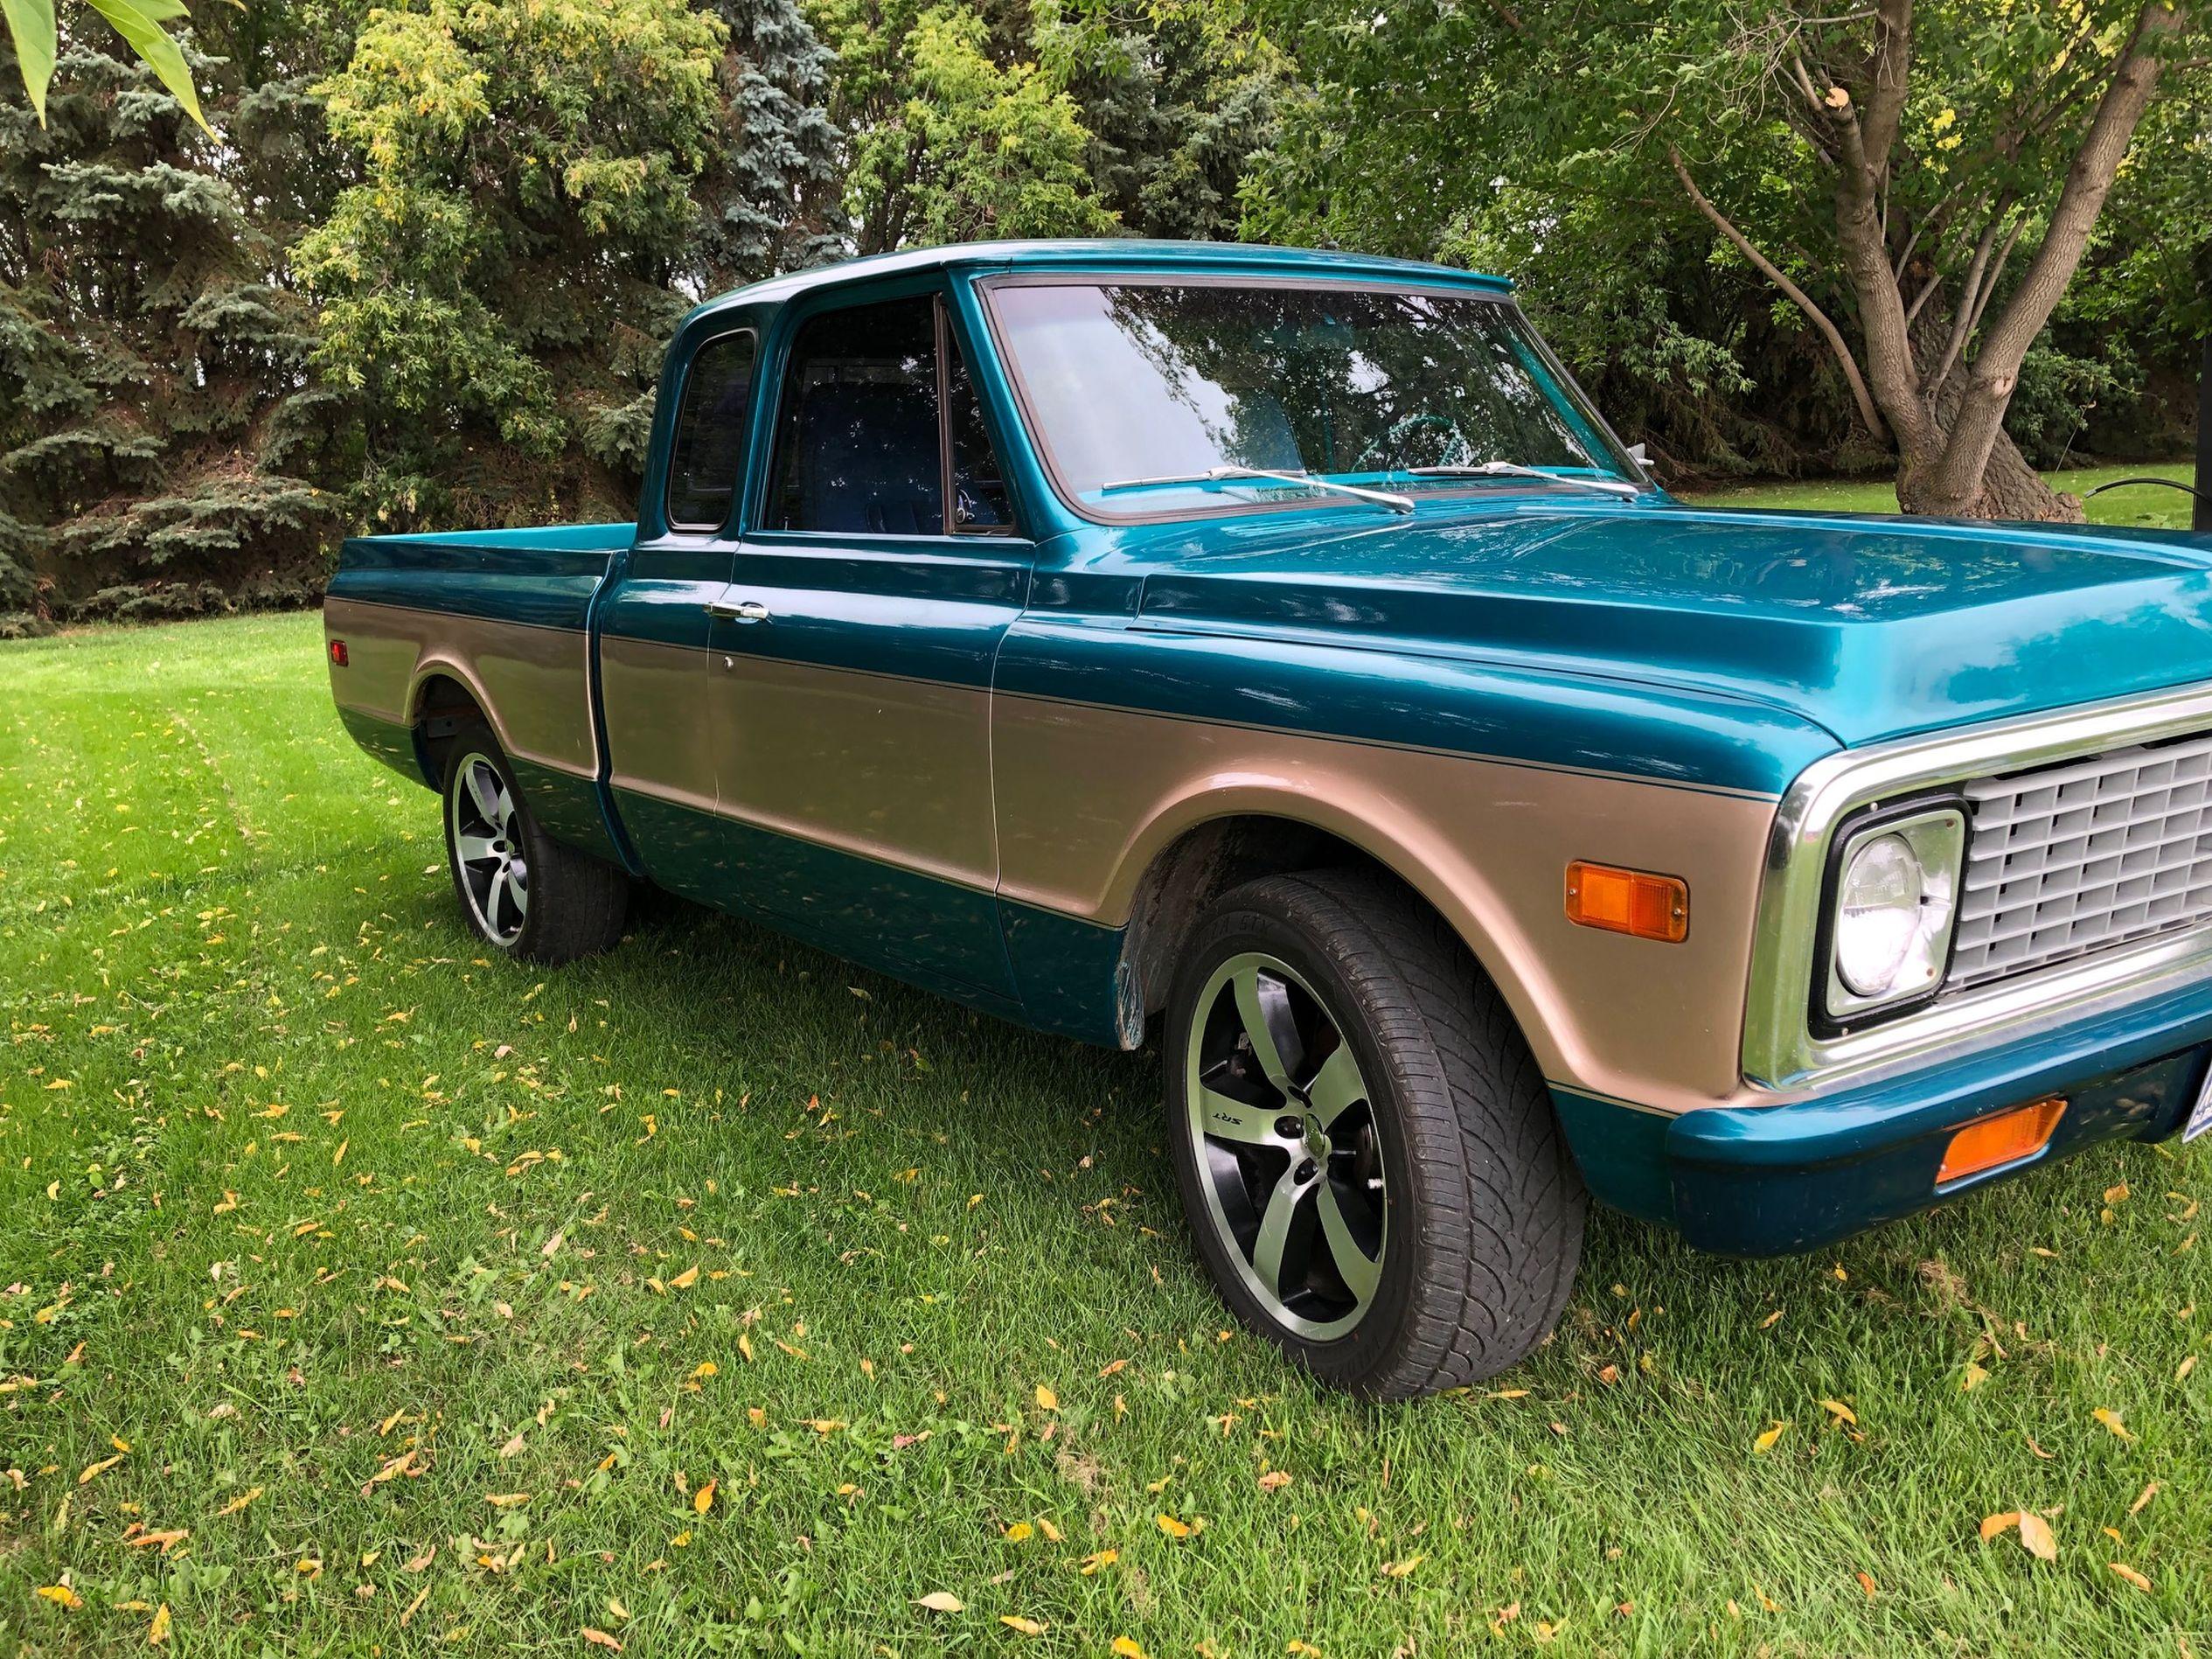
{"x": 1765, "y": 1442}
{"x": 1173, "y": 1528}
{"x": 1019, "y": 1531}
{"x": 1046, "y": 1399}
{"x": 2035, "y": 1535}
{"x": 60, "y": 1594}
{"x": 1274, "y": 1481}
{"x": 2111, "y": 1420}
{"x": 1400, "y": 1569}
{"x": 239, "y": 1503}
{"x": 703, "y": 1499}
{"x": 1127, "y": 1648}
{"x": 2130, "y": 1574}
{"x": 100, "y": 1467}
{"x": 1841, "y": 1412}
{"x": 1015, "y": 1622}
{"x": 157, "y": 1632}
{"x": 940, "y": 1601}
{"x": 600, "y": 1639}
{"x": 1993, "y": 1524}
{"x": 685, "y": 1279}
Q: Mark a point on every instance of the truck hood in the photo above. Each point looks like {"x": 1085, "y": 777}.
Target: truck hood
{"x": 1871, "y": 627}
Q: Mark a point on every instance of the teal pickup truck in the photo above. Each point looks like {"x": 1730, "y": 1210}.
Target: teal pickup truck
{"x": 1277, "y": 645}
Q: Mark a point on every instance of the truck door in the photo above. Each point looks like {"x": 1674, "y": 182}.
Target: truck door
{"x": 852, "y": 652}
{"x": 655, "y": 628}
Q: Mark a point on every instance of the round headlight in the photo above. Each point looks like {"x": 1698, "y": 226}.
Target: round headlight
{"x": 1878, "y": 918}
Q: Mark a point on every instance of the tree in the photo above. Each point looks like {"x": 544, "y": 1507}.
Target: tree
{"x": 158, "y": 437}
{"x": 497, "y": 287}
{"x": 1178, "y": 97}
{"x": 948, "y": 143}
{"x": 1848, "y": 96}
{"x": 33, "y": 32}
{"x": 1920, "y": 187}
{"x": 770, "y": 198}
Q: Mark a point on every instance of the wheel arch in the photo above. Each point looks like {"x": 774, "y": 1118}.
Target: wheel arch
{"x": 1199, "y": 847}
{"x": 442, "y": 694}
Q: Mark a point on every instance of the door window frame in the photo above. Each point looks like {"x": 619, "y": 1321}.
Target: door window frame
{"x": 757, "y": 530}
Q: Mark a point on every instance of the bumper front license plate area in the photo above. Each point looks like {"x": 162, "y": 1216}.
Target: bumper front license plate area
{"x": 2200, "y": 1114}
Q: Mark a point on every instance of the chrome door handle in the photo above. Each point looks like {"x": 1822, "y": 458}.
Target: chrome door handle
{"x": 743, "y": 610}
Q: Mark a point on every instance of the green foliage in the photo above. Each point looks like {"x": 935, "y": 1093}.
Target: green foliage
{"x": 1179, "y": 97}
{"x": 426, "y": 275}
{"x": 158, "y": 443}
{"x": 32, "y": 26}
{"x": 772, "y": 196}
{"x": 496, "y": 287}
{"x": 1419, "y": 129}
{"x": 948, "y": 142}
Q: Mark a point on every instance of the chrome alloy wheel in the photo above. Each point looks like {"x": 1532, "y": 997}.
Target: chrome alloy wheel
{"x": 1289, "y": 1154}
{"x": 487, "y": 844}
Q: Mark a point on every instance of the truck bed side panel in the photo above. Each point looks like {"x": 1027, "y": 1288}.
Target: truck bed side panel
{"x": 504, "y": 614}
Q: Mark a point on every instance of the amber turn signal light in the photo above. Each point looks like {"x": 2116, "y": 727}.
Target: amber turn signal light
{"x": 2005, "y": 1139}
{"x": 1636, "y": 902}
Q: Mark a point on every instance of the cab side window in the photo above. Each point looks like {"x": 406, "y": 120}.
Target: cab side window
{"x": 707, "y": 456}
{"x": 858, "y": 438}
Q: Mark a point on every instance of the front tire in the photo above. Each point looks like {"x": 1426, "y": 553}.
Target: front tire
{"x": 521, "y": 892}
{"x": 1366, "y": 1150}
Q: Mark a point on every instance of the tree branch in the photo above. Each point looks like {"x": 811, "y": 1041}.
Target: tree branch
{"x": 1890, "y": 77}
{"x": 1797, "y": 295}
{"x": 2127, "y": 95}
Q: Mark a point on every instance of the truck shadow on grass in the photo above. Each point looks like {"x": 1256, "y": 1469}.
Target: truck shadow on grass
{"x": 1006, "y": 1103}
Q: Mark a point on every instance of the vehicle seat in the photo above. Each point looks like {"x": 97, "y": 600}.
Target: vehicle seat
{"x": 867, "y": 460}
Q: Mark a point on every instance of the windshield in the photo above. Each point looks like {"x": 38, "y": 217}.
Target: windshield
{"x": 1141, "y": 390}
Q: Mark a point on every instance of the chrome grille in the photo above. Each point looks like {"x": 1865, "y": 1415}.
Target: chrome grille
{"x": 2085, "y": 856}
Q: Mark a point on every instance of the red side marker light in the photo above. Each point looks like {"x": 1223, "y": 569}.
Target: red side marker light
{"x": 337, "y": 653}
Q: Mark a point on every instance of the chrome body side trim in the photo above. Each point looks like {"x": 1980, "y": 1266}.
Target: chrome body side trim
{"x": 1780, "y": 1050}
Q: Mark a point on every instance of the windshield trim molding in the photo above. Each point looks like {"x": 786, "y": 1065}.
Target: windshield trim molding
{"x": 1468, "y": 287}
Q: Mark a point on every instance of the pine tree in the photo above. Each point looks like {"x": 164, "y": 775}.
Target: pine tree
{"x": 1177, "y": 95}
{"x": 770, "y": 199}
{"x": 154, "y": 424}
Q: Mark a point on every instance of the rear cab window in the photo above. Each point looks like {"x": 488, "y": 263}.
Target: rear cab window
{"x": 706, "y": 455}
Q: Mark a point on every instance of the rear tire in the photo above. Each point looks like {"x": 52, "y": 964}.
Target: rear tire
{"x": 521, "y": 892}
{"x": 1378, "y": 1183}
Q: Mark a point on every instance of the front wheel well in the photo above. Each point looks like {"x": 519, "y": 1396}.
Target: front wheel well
{"x": 1206, "y": 861}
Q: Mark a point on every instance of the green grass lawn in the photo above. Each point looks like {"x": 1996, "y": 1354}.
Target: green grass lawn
{"x": 2144, "y": 507}
{"x": 364, "y": 1293}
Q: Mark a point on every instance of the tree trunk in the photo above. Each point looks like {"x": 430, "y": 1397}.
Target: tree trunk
{"x": 2008, "y": 486}
{"x": 2010, "y": 489}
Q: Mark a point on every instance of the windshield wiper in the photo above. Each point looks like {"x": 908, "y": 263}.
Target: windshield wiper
{"x": 1218, "y": 475}
{"x": 1510, "y": 469}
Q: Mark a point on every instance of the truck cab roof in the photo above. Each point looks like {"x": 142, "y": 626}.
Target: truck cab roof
{"x": 1124, "y": 253}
